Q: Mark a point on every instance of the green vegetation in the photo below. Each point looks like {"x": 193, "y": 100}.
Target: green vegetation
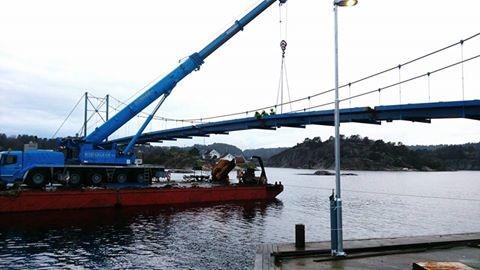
{"x": 264, "y": 153}
{"x": 221, "y": 148}
{"x": 358, "y": 153}
{"x": 364, "y": 154}
{"x": 17, "y": 142}
{"x": 171, "y": 157}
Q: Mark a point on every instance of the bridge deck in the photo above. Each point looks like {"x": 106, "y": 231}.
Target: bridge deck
{"x": 419, "y": 112}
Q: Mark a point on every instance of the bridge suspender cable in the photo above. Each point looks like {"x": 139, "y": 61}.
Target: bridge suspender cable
{"x": 308, "y": 98}
{"x": 408, "y": 62}
{"x": 463, "y": 77}
{"x": 398, "y": 83}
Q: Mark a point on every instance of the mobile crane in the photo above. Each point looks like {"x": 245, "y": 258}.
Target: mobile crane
{"x": 84, "y": 161}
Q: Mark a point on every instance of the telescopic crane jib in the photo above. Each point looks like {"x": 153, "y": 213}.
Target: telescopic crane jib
{"x": 89, "y": 149}
{"x": 85, "y": 160}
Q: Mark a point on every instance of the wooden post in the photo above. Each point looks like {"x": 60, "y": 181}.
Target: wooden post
{"x": 300, "y": 236}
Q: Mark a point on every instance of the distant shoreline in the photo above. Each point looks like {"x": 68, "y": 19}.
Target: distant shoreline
{"x": 363, "y": 170}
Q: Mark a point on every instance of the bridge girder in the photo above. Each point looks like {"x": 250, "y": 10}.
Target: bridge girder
{"x": 419, "y": 112}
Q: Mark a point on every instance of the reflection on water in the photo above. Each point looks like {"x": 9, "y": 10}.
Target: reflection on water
{"x": 148, "y": 237}
{"x": 225, "y": 236}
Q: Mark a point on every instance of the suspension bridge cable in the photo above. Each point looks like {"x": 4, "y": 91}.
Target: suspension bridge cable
{"x": 414, "y": 78}
{"x": 428, "y": 86}
{"x": 428, "y": 74}
{"x": 91, "y": 116}
{"x": 144, "y": 113}
{"x": 411, "y": 61}
{"x": 350, "y": 94}
{"x": 463, "y": 77}
{"x": 68, "y": 116}
{"x": 394, "y": 84}
{"x": 144, "y": 87}
{"x": 400, "y": 85}
{"x": 193, "y": 120}
{"x": 392, "y": 194}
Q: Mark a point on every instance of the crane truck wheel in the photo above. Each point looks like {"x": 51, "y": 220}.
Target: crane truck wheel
{"x": 140, "y": 178}
{"x": 96, "y": 178}
{"x": 75, "y": 179}
{"x": 38, "y": 179}
{"x": 121, "y": 178}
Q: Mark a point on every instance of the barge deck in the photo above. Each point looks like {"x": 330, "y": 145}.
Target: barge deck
{"x": 61, "y": 199}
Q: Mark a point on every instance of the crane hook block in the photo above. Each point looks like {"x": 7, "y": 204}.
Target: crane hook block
{"x": 283, "y": 46}
{"x": 283, "y": 2}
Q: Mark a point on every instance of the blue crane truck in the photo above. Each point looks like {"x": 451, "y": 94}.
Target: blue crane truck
{"x": 89, "y": 160}
{"x": 36, "y": 168}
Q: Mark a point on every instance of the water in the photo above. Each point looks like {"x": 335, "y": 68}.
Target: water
{"x": 225, "y": 236}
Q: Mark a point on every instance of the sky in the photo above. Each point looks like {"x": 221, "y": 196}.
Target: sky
{"x": 52, "y": 52}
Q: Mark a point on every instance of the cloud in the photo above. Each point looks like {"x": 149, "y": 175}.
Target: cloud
{"x": 51, "y": 53}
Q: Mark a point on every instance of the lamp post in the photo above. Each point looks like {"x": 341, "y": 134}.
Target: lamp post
{"x": 336, "y": 202}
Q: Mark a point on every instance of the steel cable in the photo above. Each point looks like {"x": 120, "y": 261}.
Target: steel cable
{"x": 344, "y": 85}
{"x": 391, "y": 194}
{"x": 196, "y": 120}
{"x": 397, "y": 83}
{"x": 68, "y": 116}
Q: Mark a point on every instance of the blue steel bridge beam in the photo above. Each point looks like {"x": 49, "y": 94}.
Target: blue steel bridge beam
{"x": 473, "y": 117}
{"x": 290, "y": 126}
{"x": 263, "y": 128}
{"x": 408, "y": 112}
{"x": 367, "y": 121}
{"x": 253, "y": 123}
{"x": 419, "y": 120}
{"x": 184, "y": 137}
{"x": 435, "y": 111}
{"x": 321, "y": 118}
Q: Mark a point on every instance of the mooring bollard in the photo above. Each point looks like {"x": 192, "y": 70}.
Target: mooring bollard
{"x": 299, "y": 236}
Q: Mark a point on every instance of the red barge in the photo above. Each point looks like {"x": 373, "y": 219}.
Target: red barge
{"x": 40, "y": 200}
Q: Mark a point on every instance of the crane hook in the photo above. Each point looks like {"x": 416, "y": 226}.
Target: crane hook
{"x": 283, "y": 46}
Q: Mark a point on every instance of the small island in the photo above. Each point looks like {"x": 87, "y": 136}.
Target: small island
{"x": 327, "y": 173}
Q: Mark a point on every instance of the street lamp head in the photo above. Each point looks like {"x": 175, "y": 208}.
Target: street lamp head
{"x": 345, "y": 3}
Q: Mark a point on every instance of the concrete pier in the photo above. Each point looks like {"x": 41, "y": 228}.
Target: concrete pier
{"x": 381, "y": 253}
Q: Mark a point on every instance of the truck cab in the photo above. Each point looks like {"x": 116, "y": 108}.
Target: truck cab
{"x": 33, "y": 165}
{"x": 10, "y": 164}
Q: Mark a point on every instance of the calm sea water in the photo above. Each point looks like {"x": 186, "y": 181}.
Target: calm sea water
{"x": 225, "y": 236}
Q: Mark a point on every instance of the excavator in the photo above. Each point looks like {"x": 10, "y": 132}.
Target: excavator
{"x": 246, "y": 177}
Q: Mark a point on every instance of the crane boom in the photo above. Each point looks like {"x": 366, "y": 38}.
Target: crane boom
{"x": 100, "y": 164}
{"x": 166, "y": 85}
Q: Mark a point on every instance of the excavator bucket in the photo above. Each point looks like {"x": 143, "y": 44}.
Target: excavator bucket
{"x": 221, "y": 170}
